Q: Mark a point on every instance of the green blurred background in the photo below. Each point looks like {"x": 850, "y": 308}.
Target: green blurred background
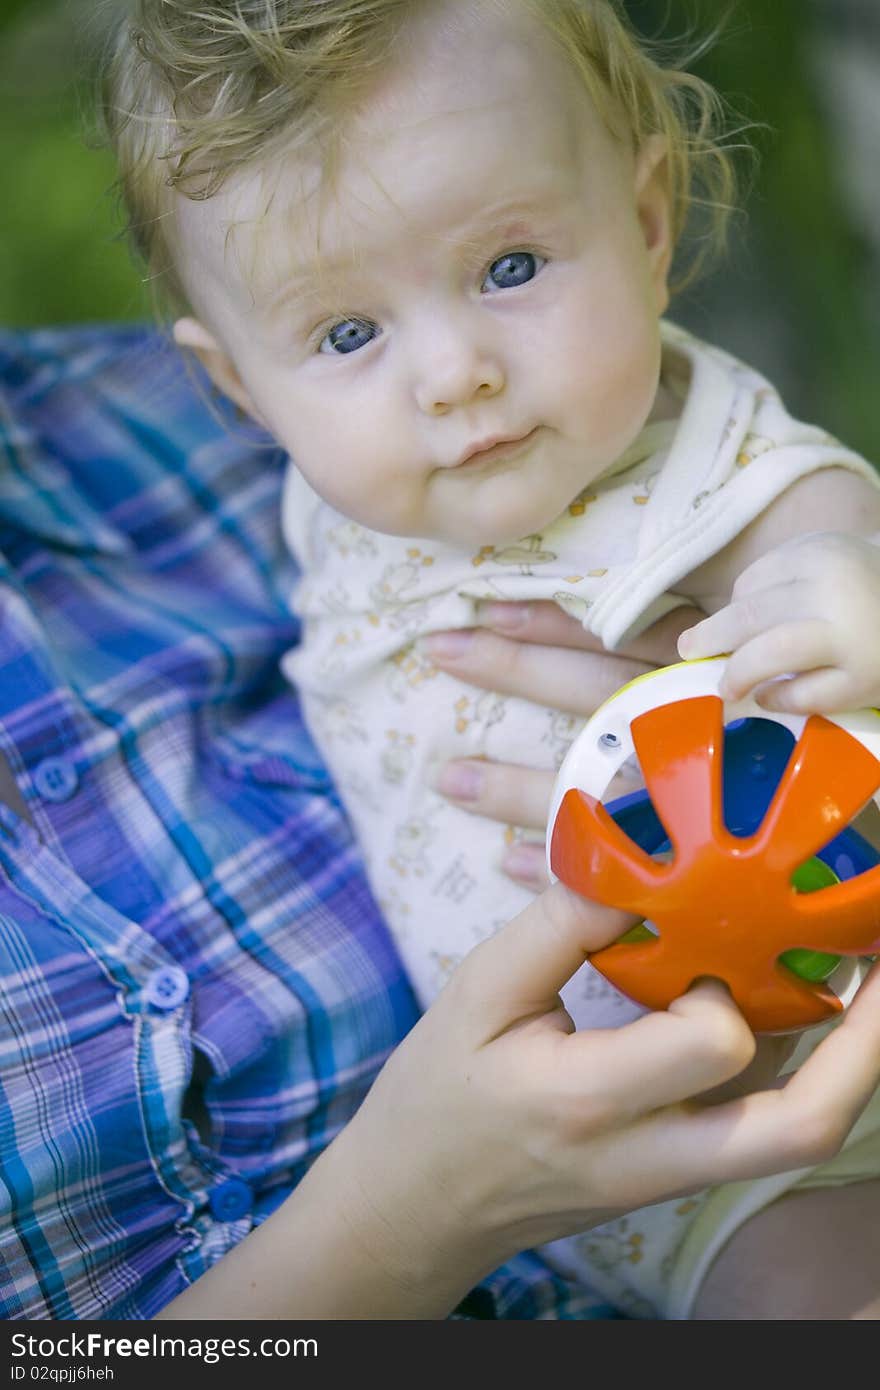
{"x": 799, "y": 294}
{"x": 62, "y": 259}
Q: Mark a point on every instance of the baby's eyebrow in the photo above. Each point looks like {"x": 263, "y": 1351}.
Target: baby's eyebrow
{"x": 324, "y": 283}
{"x": 513, "y": 216}
{"x": 310, "y": 287}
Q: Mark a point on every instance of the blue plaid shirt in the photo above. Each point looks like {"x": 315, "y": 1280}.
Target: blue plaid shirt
{"x": 196, "y": 989}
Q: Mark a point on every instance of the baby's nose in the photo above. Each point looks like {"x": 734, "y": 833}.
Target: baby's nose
{"x": 456, "y": 377}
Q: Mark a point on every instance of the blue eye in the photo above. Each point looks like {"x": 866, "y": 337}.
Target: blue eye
{"x": 348, "y": 336}
{"x": 516, "y": 268}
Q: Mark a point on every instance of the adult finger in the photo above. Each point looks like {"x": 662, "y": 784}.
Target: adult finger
{"x": 511, "y": 793}
{"x": 799, "y": 1125}
{"x": 518, "y": 972}
{"x": 540, "y": 621}
{"x": 576, "y": 682}
{"x": 840, "y": 1076}
{"x": 526, "y": 860}
{"x": 658, "y": 645}
{"x": 765, "y": 1070}
{"x": 662, "y": 1058}
{"x": 526, "y": 863}
{"x": 545, "y": 623}
{"x": 505, "y": 792}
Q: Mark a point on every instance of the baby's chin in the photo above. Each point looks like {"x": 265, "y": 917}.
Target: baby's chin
{"x": 499, "y": 527}
{"x": 504, "y": 505}
{"x": 503, "y": 514}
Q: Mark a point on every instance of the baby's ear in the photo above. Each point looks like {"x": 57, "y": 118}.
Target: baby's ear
{"x": 655, "y": 212}
{"x": 191, "y": 334}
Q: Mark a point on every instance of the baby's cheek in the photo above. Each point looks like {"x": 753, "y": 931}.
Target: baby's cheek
{"x": 619, "y": 386}
{"x": 372, "y": 495}
{"x": 359, "y": 461}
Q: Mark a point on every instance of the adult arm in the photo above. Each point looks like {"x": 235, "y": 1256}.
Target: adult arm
{"x": 494, "y": 1127}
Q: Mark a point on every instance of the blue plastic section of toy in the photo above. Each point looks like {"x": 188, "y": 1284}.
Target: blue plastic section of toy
{"x": 755, "y": 755}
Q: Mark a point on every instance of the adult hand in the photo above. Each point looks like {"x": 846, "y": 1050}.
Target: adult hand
{"x": 494, "y": 1127}
{"x": 536, "y": 651}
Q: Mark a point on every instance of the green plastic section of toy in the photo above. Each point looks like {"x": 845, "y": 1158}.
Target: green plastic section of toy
{"x": 814, "y": 966}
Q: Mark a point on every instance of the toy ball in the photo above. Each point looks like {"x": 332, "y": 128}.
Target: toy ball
{"x": 738, "y": 854}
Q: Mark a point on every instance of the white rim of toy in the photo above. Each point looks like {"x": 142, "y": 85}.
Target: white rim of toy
{"x": 605, "y": 743}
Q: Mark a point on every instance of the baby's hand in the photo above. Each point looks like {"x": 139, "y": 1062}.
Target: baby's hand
{"x": 808, "y": 610}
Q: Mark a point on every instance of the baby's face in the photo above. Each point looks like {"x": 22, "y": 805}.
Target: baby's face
{"x": 461, "y": 333}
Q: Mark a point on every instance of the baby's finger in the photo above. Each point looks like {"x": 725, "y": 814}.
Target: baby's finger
{"x": 745, "y": 617}
{"x": 779, "y": 565}
{"x": 793, "y": 647}
{"x": 828, "y": 689}
{"x": 574, "y": 681}
{"x": 502, "y": 791}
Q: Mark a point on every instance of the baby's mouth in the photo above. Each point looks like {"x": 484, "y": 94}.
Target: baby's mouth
{"x": 501, "y": 448}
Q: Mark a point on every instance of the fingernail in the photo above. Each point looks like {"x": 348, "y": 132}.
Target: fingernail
{"x": 774, "y": 700}
{"x": 450, "y": 644}
{"x": 463, "y": 781}
{"x": 524, "y": 862}
{"x": 684, "y": 645}
{"x": 508, "y": 616}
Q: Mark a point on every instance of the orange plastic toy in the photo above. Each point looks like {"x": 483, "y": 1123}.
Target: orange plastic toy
{"x": 725, "y": 905}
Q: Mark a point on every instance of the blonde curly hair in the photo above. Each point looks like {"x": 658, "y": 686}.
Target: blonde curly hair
{"x": 194, "y": 90}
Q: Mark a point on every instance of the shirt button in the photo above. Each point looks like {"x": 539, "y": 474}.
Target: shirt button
{"x": 55, "y": 779}
{"x": 231, "y": 1200}
{"x": 167, "y": 987}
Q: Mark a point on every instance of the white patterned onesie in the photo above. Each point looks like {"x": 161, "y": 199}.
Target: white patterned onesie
{"x": 386, "y": 719}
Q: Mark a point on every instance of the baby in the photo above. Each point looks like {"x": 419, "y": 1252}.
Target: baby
{"x": 428, "y": 247}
